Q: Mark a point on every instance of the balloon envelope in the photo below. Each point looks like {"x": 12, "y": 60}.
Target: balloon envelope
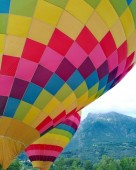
{"x": 55, "y": 58}
{"x": 46, "y": 149}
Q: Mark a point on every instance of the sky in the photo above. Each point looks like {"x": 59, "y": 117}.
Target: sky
{"x": 121, "y": 98}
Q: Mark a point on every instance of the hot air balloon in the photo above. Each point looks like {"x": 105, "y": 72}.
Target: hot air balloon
{"x": 44, "y": 151}
{"x": 55, "y": 58}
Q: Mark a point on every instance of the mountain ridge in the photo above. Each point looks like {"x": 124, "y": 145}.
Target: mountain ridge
{"x": 111, "y": 133}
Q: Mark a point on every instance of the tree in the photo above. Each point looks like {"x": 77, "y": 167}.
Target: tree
{"x": 76, "y": 165}
{"x": 88, "y": 165}
{"x": 16, "y": 165}
{"x": 128, "y": 163}
{"x": 60, "y": 163}
{"x": 108, "y": 163}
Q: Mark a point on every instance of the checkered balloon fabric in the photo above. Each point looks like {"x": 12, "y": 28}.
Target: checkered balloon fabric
{"x": 58, "y": 56}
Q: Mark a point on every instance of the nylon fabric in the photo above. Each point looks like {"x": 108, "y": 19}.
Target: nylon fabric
{"x": 14, "y": 140}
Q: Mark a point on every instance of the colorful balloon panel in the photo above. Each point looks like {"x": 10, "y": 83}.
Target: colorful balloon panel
{"x": 55, "y": 58}
{"x": 58, "y": 56}
{"x": 46, "y": 149}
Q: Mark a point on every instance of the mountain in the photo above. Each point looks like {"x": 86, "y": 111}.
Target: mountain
{"x": 111, "y": 134}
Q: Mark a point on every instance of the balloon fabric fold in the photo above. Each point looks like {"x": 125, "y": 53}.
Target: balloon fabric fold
{"x": 44, "y": 151}
{"x": 56, "y": 57}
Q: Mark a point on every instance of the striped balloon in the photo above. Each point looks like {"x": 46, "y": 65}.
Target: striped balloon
{"x": 46, "y": 149}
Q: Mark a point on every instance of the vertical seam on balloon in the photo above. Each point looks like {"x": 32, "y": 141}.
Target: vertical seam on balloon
{"x": 21, "y": 54}
{"x": 75, "y": 40}
{"x": 63, "y": 9}
{"x": 46, "y": 45}
{"x": 3, "y": 52}
{"x": 6, "y": 33}
{"x": 22, "y": 51}
{"x": 101, "y": 46}
{"x": 17, "y": 141}
{"x": 124, "y": 33}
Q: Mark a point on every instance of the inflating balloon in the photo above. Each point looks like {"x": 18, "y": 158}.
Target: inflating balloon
{"x": 55, "y": 58}
{"x": 45, "y": 150}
